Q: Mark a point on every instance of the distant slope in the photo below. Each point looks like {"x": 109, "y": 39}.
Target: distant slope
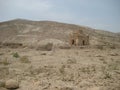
{"x": 26, "y": 31}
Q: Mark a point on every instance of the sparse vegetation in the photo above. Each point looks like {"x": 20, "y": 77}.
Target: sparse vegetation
{"x": 62, "y": 69}
{"x": 88, "y": 69}
{"x": 67, "y": 88}
{"x": 100, "y": 47}
{"x": 24, "y": 59}
{"x": 101, "y": 69}
{"x": 113, "y": 47}
{"x": 103, "y": 60}
{"x": 71, "y": 61}
{"x": 44, "y": 59}
{"x": 1, "y": 54}
{"x": 107, "y": 75}
{"x": 4, "y": 61}
{"x": 16, "y": 55}
{"x": 114, "y": 65}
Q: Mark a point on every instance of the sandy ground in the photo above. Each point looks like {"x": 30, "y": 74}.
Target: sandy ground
{"x": 62, "y": 69}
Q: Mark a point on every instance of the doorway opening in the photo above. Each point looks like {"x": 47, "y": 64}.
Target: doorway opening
{"x": 83, "y": 42}
{"x": 73, "y": 42}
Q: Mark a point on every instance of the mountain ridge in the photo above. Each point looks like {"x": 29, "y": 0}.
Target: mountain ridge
{"x": 22, "y": 30}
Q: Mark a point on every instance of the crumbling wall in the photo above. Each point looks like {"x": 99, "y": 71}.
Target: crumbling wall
{"x": 78, "y": 38}
{"x": 11, "y": 45}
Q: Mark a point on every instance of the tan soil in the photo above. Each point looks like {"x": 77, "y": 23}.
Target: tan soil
{"x": 62, "y": 69}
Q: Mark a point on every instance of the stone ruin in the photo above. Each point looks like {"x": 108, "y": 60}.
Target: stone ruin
{"x": 78, "y": 38}
{"x": 10, "y": 45}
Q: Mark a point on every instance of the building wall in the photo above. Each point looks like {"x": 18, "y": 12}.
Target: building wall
{"x": 78, "y": 38}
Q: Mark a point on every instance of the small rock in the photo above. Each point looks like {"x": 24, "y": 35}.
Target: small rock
{"x": 2, "y": 83}
{"x": 11, "y": 84}
{"x": 113, "y": 54}
{"x": 1, "y": 88}
{"x": 98, "y": 56}
{"x": 66, "y": 88}
{"x": 45, "y": 47}
{"x": 43, "y": 53}
{"x": 1, "y": 54}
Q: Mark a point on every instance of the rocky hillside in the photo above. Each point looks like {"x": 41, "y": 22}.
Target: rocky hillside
{"x": 31, "y": 32}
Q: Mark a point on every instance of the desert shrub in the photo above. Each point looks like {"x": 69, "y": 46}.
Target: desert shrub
{"x": 100, "y": 47}
{"x": 68, "y": 77}
{"x": 85, "y": 70}
{"x": 107, "y": 75}
{"x": 2, "y": 83}
{"x": 112, "y": 47}
{"x": 66, "y": 88}
{"x": 4, "y": 61}
{"x": 49, "y": 46}
{"x": 24, "y": 59}
{"x": 16, "y": 55}
{"x": 113, "y": 54}
{"x": 114, "y": 65}
{"x": 103, "y": 60}
{"x": 1, "y": 54}
{"x": 62, "y": 69}
{"x": 71, "y": 61}
{"x": 109, "y": 68}
{"x": 88, "y": 69}
{"x": 4, "y": 71}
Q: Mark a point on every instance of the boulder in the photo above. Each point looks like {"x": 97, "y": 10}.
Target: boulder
{"x": 2, "y": 88}
{"x": 45, "y": 47}
{"x": 2, "y": 83}
{"x": 49, "y": 44}
{"x": 11, "y": 84}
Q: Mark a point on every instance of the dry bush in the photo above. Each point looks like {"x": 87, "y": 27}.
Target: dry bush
{"x": 113, "y": 54}
{"x": 103, "y": 60}
{"x": 100, "y": 47}
{"x": 2, "y": 83}
{"x": 71, "y": 61}
{"x": 114, "y": 65}
{"x": 113, "y": 47}
{"x": 110, "y": 68}
{"x": 62, "y": 69}
{"x": 4, "y": 61}
{"x": 47, "y": 70}
{"x": 107, "y": 75}
{"x": 88, "y": 69}
{"x": 66, "y": 88}
{"x": 68, "y": 77}
{"x": 4, "y": 71}
{"x": 24, "y": 59}
{"x": 105, "y": 72}
{"x": 1, "y": 54}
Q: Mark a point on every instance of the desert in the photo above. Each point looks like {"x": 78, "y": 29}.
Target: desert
{"x": 40, "y": 55}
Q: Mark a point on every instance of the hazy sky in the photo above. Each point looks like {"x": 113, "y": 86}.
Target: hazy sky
{"x": 99, "y": 14}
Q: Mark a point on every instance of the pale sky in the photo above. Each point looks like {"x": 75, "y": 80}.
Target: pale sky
{"x": 99, "y": 14}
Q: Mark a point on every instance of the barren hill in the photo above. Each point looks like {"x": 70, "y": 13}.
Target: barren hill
{"x": 41, "y": 66}
{"x": 26, "y": 31}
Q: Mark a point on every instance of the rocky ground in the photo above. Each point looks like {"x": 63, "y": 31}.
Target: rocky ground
{"x": 61, "y": 69}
